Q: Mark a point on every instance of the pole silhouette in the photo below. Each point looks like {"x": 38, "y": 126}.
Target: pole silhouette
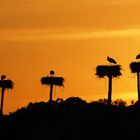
{"x": 51, "y": 91}
{"x": 52, "y": 81}
{"x": 109, "y": 71}
{"x": 4, "y": 84}
{"x": 109, "y": 90}
{"x": 138, "y": 84}
{"x": 2, "y": 100}
{"x": 135, "y": 68}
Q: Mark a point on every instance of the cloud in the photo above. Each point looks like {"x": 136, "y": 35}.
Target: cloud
{"x": 122, "y": 2}
{"x": 42, "y": 35}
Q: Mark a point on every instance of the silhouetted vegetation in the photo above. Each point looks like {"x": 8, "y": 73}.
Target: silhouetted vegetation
{"x": 73, "y": 119}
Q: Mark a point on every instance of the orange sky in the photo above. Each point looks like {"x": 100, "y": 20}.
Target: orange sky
{"x": 71, "y": 37}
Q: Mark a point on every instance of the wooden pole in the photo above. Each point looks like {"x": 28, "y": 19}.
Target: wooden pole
{"x": 51, "y": 92}
{"x": 109, "y": 90}
{"x": 138, "y": 85}
{"x": 2, "y": 100}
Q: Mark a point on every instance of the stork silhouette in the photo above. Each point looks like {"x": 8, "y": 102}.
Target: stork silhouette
{"x": 3, "y": 77}
{"x": 111, "y": 60}
{"x": 52, "y": 72}
{"x": 138, "y": 56}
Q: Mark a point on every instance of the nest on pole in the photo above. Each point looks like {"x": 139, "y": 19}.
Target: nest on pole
{"x": 135, "y": 67}
{"x": 7, "y": 84}
{"x": 108, "y": 70}
{"x": 57, "y": 81}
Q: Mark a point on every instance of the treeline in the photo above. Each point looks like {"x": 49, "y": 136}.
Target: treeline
{"x": 73, "y": 119}
{"x": 71, "y": 106}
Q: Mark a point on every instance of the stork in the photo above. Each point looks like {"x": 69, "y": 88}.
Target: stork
{"x": 111, "y": 60}
{"x": 52, "y": 72}
{"x": 138, "y": 56}
{"x": 3, "y": 77}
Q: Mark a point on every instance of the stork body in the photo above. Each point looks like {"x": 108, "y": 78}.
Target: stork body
{"x": 52, "y": 72}
{"x": 138, "y": 56}
{"x": 111, "y": 60}
{"x": 3, "y": 77}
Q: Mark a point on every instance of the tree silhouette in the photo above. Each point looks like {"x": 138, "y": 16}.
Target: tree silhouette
{"x": 74, "y": 101}
{"x": 135, "y": 68}
{"x": 52, "y": 81}
{"x": 4, "y": 84}
{"x": 110, "y": 71}
{"x": 119, "y": 102}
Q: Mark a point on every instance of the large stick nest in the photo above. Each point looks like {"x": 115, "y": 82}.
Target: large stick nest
{"x": 135, "y": 67}
{"x": 8, "y": 84}
{"x": 58, "y": 81}
{"x": 106, "y": 70}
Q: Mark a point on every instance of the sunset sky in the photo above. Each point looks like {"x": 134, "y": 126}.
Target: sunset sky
{"x": 71, "y": 37}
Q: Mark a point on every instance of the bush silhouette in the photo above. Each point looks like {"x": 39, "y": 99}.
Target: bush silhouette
{"x": 73, "y": 118}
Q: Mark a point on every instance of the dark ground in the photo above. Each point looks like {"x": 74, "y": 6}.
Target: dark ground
{"x": 72, "y": 119}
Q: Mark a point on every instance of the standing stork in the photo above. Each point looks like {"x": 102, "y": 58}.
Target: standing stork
{"x": 3, "y": 77}
{"x": 138, "y": 56}
{"x": 111, "y": 60}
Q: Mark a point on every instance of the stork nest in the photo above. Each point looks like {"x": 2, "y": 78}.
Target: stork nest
{"x": 106, "y": 70}
{"x": 58, "y": 81}
{"x": 8, "y": 84}
{"x": 135, "y": 67}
